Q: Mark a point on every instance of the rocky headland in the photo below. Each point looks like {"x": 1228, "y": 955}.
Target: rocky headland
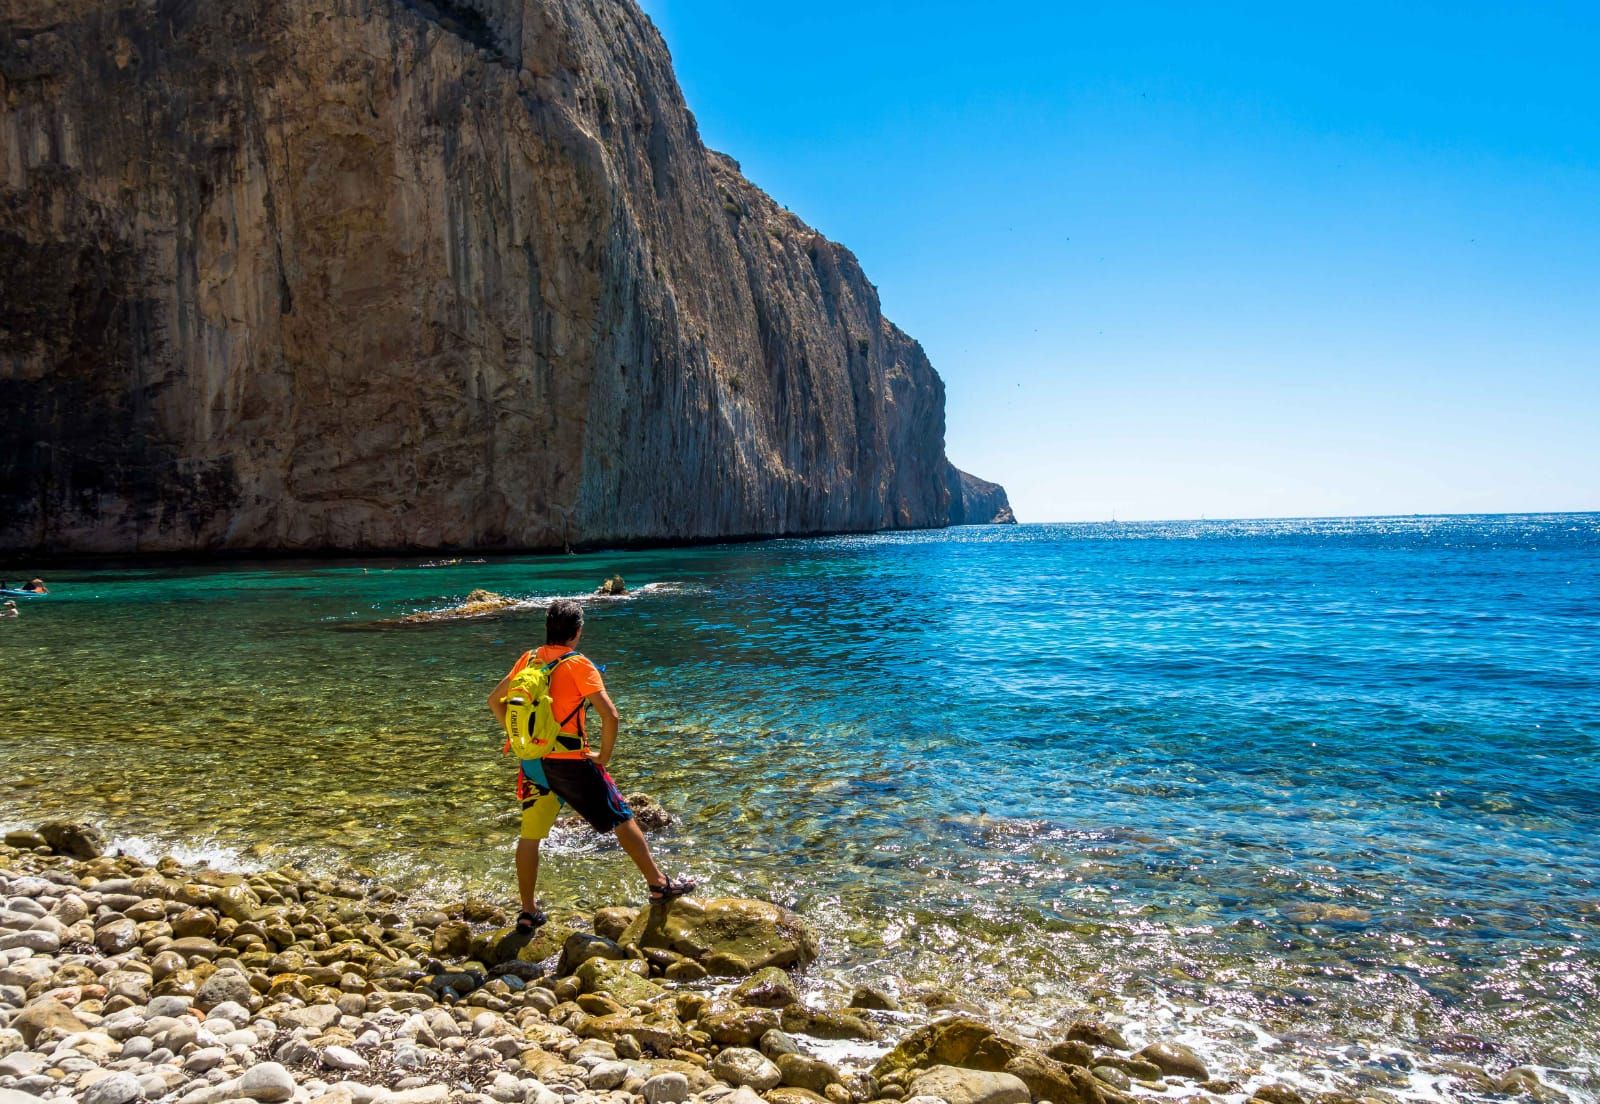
{"x": 122, "y": 981}
{"x": 401, "y": 274}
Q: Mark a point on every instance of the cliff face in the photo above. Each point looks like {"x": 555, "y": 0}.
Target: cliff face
{"x": 975, "y": 501}
{"x": 385, "y": 274}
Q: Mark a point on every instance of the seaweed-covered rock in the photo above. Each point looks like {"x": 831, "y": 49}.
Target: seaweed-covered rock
{"x": 766, "y": 988}
{"x": 618, "y": 980}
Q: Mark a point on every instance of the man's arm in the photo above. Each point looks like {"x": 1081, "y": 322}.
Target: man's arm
{"x": 609, "y": 718}
{"x": 497, "y": 704}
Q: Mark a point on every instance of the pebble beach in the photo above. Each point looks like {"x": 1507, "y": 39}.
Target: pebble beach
{"x": 122, "y": 981}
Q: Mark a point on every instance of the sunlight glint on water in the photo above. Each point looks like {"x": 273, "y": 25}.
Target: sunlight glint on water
{"x": 1334, "y": 779}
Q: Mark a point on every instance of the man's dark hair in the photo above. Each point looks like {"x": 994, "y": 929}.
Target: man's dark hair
{"x": 562, "y": 621}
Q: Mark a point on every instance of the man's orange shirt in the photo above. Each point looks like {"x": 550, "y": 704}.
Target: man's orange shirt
{"x": 570, "y": 683}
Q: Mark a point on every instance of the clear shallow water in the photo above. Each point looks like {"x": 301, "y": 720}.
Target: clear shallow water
{"x": 1321, "y": 795}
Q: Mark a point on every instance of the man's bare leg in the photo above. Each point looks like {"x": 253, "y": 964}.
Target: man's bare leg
{"x": 528, "y": 872}
{"x": 632, "y": 840}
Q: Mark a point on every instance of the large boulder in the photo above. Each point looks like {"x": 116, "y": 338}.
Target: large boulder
{"x": 731, "y": 936}
{"x": 956, "y": 1085}
{"x": 73, "y": 838}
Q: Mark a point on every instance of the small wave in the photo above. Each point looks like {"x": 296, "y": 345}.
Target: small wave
{"x": 201, "y": 852}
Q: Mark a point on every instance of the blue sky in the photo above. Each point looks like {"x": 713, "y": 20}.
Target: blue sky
{"x": 1183, "y": 260}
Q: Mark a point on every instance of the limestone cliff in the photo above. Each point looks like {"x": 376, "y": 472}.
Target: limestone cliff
{"x": 386, "y": 274}
{"x": 975, "y": 501}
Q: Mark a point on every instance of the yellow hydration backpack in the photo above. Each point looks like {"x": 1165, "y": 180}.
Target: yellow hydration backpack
{"x": 531, "y": 726}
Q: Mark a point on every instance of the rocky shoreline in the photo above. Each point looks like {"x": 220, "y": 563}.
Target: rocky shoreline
{"x": 122, "y": 981}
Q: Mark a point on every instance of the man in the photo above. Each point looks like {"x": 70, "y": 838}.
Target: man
{"x": 573, "y": 773}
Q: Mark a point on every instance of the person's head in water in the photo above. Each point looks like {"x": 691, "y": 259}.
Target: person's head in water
{"x": 563, "y": 621}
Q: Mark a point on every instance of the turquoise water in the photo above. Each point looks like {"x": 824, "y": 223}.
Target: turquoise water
{"x": 1321, "y": 796}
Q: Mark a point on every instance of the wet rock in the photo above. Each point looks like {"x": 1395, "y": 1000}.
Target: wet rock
{"x": 955, "y": 1085}
{"x": 872, "y": 997}
{"x": 659, "y": 1032}
{"x": 1072, "y": 1053}
{"x": 611, "y": 922}
{"x": 1278, "y": 1094}
{"x": 619, "y": 980}
{"x": 479, "y": 603}
{"x": 1096, "y": 1033}
{"x": 1524, "y": 1081}
{"x": 971, "y": 1044}
{"x": 649, "y": 813}
{"x": 1112, "y": 1076}
{"x": 1175, "y": 1060}
{"x": 614, "y": 587}
{"x": 74, "y": 838}
{"x": 687, "y": 970}
{"x": 802, "y": 1071}
{"x": 581, "y": 946}
{"x": 195, "y": 947}
{"x": 739, "y": 1026}
{"x": 743, "y": 1066}
{"x": 452, "y": 939}
{"x": 776, "y": 1043}
{"x": 728, "y": 935}
{"x": 827, "y": 1024}
{"x": 766, "y": 988}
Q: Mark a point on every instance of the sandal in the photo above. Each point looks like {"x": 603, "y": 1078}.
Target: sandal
{"x": 667, "y": 890}
{"x": 528, "y": 921}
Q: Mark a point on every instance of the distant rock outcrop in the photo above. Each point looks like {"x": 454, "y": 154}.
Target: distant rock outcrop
{"x": 390, "y": 274}
{"x": 975, "y": 501}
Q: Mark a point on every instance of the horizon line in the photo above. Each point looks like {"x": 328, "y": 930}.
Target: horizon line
{"x": 1316, "y": 517}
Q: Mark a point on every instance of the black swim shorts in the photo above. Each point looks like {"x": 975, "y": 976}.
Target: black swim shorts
{"x": 580, "y": 783}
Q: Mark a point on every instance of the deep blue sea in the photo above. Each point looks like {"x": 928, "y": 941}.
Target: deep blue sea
{"x": 1321, "y": 797}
